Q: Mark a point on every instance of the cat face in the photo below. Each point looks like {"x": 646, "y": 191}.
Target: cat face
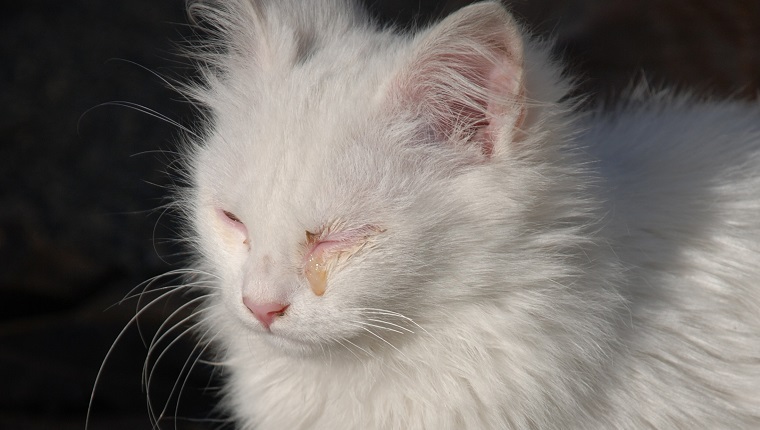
{"x": 340, "y": 196}
{"x": 333, "y": 236}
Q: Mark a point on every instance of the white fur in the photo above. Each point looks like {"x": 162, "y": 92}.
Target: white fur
{"x": 596, "y": 272}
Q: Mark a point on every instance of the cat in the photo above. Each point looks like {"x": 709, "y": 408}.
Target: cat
{"x": 423, "y": 231}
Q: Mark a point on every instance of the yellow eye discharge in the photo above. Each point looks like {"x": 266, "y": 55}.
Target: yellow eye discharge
{"x": 316, "y": 273}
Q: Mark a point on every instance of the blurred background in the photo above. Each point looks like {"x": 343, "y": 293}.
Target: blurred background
{"x": 82, "y": 180}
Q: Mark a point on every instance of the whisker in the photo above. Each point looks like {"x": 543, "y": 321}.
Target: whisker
{"x": 165, "y": 81}
{"x": 360, "y": 348}
{"x": 385, "y": 341}
{"x": 153, "y": 233}
{"x": 339, "y": 342}
{"x": 187, "y": 377}
{"x": 188, "y": 372}
{"x": 176, "y": 288}
{"x": 147, "y": 288}
{"x": 158, "y": 359}
{"x": 324, "y": 353}
{"x": 391, "y": 313}
{"x": 142, "y": 109}
{"x": 378, "y": 326}
{"x": 147, "y": 283}
{"x": 391, "y": 324}
{"x": 164, "y": 333}
{"x": 111, "y": 350}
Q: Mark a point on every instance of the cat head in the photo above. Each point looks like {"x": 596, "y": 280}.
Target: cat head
{"x": 354, "y": 182}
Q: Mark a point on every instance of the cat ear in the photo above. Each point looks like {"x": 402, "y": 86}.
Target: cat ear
{"x": 465, "y": 78}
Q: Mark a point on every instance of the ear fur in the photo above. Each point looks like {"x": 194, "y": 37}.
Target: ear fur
{"x": 465, "y": 77}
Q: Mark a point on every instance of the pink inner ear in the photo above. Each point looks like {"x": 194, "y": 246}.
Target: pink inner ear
{"x": 466, "y": 78}
{"x": 489, "y": 101}
{"x": 502, "y": 80}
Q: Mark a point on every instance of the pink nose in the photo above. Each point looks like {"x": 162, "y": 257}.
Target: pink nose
{"x": 265, "y": 312}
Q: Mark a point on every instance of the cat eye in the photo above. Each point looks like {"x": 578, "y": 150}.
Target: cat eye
{"x": 324, "y": 249}
{"x": 231, "y": 216}
{"x": 233, "y": 222}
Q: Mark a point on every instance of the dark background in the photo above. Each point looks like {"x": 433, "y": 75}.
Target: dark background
{"x": 80, "y": 182}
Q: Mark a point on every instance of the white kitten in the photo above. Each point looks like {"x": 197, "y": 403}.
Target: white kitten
{"x": 417, "y": 232}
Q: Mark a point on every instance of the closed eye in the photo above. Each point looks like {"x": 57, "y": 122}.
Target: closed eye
{"x": 231, "y": 216}
{"x": 322, "y": 253}
{"x": 234, "y": 222}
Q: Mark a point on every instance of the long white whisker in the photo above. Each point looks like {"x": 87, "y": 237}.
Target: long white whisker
{"x": 148, "y": 376}
{"x": 360, "y": 348}
{"x": 110, "y": 351}
{"x": 385, "y": 341}
{"x": 391, "y": 324}
{"x": 172, "y": 288}
{"x": 324, "y": 352}
{"x": 200, "y": 284}
{"x": 186, "y": 371}
{"x": 378, "y": 326}
{"x": 156, "y": 338}
{"x": 164, "y": 333}
{"x": 158, "y": 359}
{"x": 164, "y": 80}
{"x": 146, "y": 285}
{"x": 391, "y": 313}
{"x": 142, "y": 109}
{"x": 346, "y": 348}
{"x": 195, "y": 362}
{"x": 186, "y": 286}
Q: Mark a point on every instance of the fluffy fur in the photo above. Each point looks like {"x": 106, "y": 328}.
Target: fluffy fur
{"x": 534, "y": 268}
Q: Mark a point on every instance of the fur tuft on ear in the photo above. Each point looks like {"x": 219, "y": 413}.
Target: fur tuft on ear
{"x": 465, "y": 77}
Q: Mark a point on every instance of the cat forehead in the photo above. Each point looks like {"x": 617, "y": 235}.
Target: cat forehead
{"x": 292, "y": 104}
{"x": 308, "y": 132}
{"x": 308, "y": 111}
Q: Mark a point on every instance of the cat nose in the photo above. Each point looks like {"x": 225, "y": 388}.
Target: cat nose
{"x": 265, "y": 312}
